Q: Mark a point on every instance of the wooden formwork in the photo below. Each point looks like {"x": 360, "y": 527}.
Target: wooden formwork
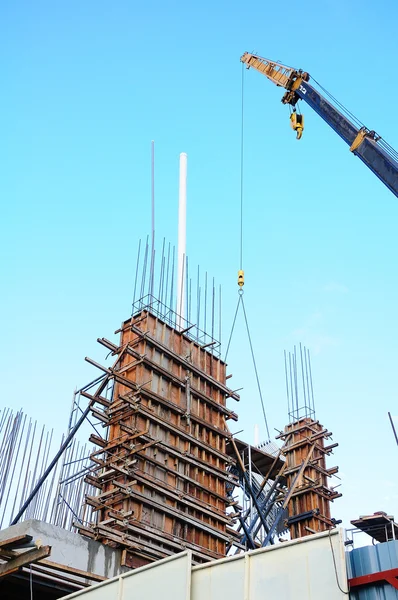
{"x": 307, "y": 476}
{"x": 162, "y": 468}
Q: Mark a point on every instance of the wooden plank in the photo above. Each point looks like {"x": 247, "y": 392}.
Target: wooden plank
{"x": 132, "y": 434}
{"x": 145, "y": 393}
{"x": 149, "y": 532}
{"x": 45, "y": 573}
{"x": 99, "y": 399}
{"x": 198, "y": 462}
{"x": 72, "y": 570}
{"x": 97, "y": 440}
{"x": 98, "y": 414}
{"x": 91, "y": 480}
{"x": 178, "y": 359}
{"x": 182, "y": 434}
{"x": 195, "y": 392}
{"x": 16, "y": 542}
{"x": 26, "y": 558}
{"x": 136, "y": 533}
{"x": 187, "y": 365}
{"x": 175, "y": 357}
{"x": 190, "y": 501}
{"x": 183, "y": 477}
{"x": 166, "y": 508}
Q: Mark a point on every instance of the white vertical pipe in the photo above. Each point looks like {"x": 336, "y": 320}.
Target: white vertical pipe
{"x": 182, "y": 240}
{"x": 152, "y": 271}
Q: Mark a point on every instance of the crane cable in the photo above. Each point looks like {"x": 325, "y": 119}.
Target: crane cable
{"x": 241, "y": 273}
{"x": 241, "y": 168}
{"x": 382, "y": 142}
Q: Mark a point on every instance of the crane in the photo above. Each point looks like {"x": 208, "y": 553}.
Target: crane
{"x": 381, "y": 158}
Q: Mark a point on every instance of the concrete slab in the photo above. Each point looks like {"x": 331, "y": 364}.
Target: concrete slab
{"x": 70, "y": 549}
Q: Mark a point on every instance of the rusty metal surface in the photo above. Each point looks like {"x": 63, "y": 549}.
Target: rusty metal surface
{"x": 309, "y": 504}
{"x": 379, "y": 526}
{"x": 162, "y": 467}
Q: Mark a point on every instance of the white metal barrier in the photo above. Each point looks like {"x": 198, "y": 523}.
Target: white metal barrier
{"x": 311, "y": 568}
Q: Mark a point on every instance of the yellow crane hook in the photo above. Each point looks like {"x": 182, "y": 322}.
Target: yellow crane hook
{"x": 297, "y": 123}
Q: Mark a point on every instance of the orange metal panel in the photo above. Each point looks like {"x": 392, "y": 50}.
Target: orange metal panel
{"x": 311, "y": 492}
{"x": 162, "y": 480}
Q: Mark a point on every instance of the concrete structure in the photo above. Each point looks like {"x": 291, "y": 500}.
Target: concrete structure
{"x": 74, "y": 561}
{"x": 311, "y": 568}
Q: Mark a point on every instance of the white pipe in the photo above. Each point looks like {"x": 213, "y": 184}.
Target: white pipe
{"x": 182, "y": 239}
{"x": 152, "y": 271}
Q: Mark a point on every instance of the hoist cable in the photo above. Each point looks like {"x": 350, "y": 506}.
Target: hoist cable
{"x": 233, "y": 327}
{"x": 240, "y": 274}
{"x": 339, "y": 104}
{"x": 255, "y": 368}
{"x": 389, "y": 149}
{"x": 385, "y": 145}
{"x": 241, "y": 168}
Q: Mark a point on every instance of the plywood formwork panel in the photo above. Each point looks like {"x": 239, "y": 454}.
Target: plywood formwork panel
{"x": 309, "y": 504}
{"x": 163, "y": 470}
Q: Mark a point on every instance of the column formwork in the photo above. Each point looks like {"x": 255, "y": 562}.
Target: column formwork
{"x": 163, "y": 465}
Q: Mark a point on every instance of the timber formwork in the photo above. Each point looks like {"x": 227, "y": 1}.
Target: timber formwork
{"x": 162, "y": 468}
{"x": 307, "y": 477}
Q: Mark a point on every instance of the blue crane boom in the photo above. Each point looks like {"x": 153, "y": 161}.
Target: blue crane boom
{"x": 366, "y": 144}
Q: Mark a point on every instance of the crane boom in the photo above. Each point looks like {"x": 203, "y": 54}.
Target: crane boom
{"x": 365, "y": 144}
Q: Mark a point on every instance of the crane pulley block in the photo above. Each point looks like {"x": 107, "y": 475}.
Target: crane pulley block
{"x": 362, "y": 134}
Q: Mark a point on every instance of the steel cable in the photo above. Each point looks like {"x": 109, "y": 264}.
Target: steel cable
{"x": 385, "y": 145}
{"x": 241, "y": 168}
{"x": 255, "y": 368}
{"x": 233, "y": 327}
{"x": 339, "y": 104}
{"x": 240, "y": 299}
{"x": 335, "y": 567}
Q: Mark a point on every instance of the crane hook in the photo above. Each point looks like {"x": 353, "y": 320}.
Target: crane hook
{"x": 297, "y": 123}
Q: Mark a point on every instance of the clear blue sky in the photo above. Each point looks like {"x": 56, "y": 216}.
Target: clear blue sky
{"x": 87, "y": 86}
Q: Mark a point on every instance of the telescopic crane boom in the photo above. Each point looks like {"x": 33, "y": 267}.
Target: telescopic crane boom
{"x": 366, "y": 144}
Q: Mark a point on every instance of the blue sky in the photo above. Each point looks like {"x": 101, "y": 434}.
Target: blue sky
{"x": 87, "y": 86}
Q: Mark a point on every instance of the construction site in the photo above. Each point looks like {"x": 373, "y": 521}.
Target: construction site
{"x": 153, "y": 491}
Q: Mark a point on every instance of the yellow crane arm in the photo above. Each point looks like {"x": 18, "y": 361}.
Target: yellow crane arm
{"x": 281, "y": 75}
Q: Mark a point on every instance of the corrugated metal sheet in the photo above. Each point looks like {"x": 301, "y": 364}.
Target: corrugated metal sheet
{"x": 373, "y": 559}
